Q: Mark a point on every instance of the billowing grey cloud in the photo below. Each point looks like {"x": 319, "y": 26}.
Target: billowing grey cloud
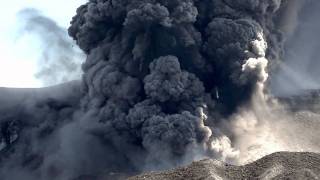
{"x": 59, "y": 58}
{"x": 154, "y": 68}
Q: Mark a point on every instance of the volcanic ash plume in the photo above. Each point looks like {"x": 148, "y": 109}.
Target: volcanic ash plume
{"x": 165, "y": 82}
{"x": 154, "y": 68}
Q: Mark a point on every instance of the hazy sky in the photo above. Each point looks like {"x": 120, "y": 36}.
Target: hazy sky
{"x": 19, "y": 56}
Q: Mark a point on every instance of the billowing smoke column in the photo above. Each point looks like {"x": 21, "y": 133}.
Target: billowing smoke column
{"x": 160, "y": 73}
{"x": 211, "y": 39}
{"x": 159, "y": 77}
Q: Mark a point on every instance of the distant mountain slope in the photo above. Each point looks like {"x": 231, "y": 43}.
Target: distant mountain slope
{"x": 306, "y": 100}
{"x": 10, "y": 97}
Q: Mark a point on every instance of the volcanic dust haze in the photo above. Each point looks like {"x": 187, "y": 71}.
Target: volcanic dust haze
{"x": 165, "y": 82}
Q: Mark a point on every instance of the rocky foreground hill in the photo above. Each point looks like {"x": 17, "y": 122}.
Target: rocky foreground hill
{"x": 277, "y": 166}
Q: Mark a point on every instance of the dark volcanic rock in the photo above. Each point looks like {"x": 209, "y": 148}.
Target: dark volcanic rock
{"x": 277, "y": 166}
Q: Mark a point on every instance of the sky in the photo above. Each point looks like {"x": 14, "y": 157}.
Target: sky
{"x": 19, "y": 55}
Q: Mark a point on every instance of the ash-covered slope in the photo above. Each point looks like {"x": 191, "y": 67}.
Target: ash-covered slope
{"x": 282, "y": 165}
{"x": 10, "y": 97}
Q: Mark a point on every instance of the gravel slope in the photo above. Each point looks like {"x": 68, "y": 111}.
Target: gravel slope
{"x": 277, "y": 166}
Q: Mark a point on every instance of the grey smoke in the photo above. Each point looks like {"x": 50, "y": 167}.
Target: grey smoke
{"x": 148, "y": 97}
{"x": 299, "y": 71}
{"x": 59, "y": 58}
{"x": 151, "y": 76}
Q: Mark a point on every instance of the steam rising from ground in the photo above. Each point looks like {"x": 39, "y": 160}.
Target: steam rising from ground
{"x": 165, "y": 82}
{"x": 267, "y": 126}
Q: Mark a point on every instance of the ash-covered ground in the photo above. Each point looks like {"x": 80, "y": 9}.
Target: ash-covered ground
{"x": 277, "y": 166}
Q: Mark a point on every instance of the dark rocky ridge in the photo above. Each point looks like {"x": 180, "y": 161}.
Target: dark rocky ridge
{"x": 307, "y": 100}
